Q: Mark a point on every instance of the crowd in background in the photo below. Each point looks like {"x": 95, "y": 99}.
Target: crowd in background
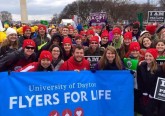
{"x": 52, "y": 48}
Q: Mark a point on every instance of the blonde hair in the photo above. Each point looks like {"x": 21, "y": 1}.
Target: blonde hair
{"x": 7, "y": 42}
{"x": 103, "y": 61}
{"x": 154, "y": 67}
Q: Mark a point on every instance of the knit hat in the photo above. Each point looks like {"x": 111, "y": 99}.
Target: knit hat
{"x": 82, "y": 33}
{"x": 10, "y": 31}
{"x": 94, "y": 38}
{"x": 90, "y": 32}
{"x": 67, "y": 40}
{"x": 116, "y": 30}
{"x": 27, "y": 42}
{"x": 134, "y": 46}
{"x": 105, "y": 34}
{"x": 45, "y": 54}
{"x": 153, "y": 51}
{"x": 128, "y": 35}
{"x": 151, "y": 29}
{"x": 25, "y": 28}
{"x": 78, "y": 36}
{"x": 42, "y": 26}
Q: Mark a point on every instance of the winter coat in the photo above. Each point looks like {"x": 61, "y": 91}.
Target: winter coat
{"x": 146, "y": 80}
{"x": 71, "y": 64}
{"x": 15, "y": 60}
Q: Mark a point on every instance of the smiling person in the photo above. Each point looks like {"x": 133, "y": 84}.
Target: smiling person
{"x": 77, "y": 62}
{"x": 43, "y": 64}
{"x": 26, "y": 35}
{"x": 19, "y": 58}
{"x": 160, "y": 46}
{"x": 57, "y": 55}
{"x": 146, "y": 43}
{"x": 67, "y": 48}
{"x": 10, "y": 44}
{"x": 147, "y": 74}
{"x": 110, "y": 60}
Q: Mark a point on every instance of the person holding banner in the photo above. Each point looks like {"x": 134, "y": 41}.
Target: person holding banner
{"x": 147, "y": 74}
{"x": 43, "y": 64}
{"x": 19, "y": 58}
{"x": 57, "y": 55}
{"x": 77, "y": 62}
{"x": 110, "y": 60}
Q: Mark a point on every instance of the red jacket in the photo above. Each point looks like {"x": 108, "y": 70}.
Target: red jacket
{"x": 71, "y": 64}
{"x": 29, "y": 68}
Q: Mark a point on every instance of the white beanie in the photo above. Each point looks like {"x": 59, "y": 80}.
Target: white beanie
{"x": 10, "y": 31}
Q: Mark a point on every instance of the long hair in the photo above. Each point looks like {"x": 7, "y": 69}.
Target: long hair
{"x": 103, "y": 60}
{"x": 154, "y": 67}
{"x": 7, "y": 42}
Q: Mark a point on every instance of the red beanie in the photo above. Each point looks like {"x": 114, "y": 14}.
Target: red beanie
{"x": 82, "y": 33}
{"x": 45, "y": 54}
{"x": 105, "y": 34}
{"x": 25, "y": 28}
{"x": 128, "y": 35}
{"x": 116, "y": 30}
{"x": 153, "y": 51}
{"x": 42, "y": 26}
{"x": 90, "y": 32}
{"x": 67, "y": 40}
{"x": 27, "y": 42}
{"x": 151, "y": 29}
{"x": 134, "y": 46}
{"x": 94, "y": 38}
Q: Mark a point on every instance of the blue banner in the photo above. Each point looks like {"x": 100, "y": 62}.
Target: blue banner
{"x": 66, "y": 93}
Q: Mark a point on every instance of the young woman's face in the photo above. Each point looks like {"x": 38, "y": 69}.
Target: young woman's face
{"x": 29, "y": 50}
{"x": 42, "y": 31}
{"x": 135, "y": 53}
{"x": 160, "y": 46}
{"x": 110, "y": 56}
{"x": 78, "y": 42}
{"x": 147, "y": 42}
{"x": 67, "y": 47}
{"x": 45, "y": 63}
{"x": 127, "y": 41}
{"x": 116, "y": 36}
{"x": 12, "y": 37}
{"x": 53, "y": 32}
{"x": 104, "y": 40}
{"x": 55, "y": 52}
{"x": 149, "y": 58}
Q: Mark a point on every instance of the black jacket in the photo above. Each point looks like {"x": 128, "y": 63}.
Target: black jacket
{"x": 146, "y": 80}
{"x": 15, "y": 60}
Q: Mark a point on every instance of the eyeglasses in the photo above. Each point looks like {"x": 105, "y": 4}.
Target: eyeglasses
{"x": 56, "y": 50}
{"x": 32, "y": 48}
{"x": 135, "y": 30}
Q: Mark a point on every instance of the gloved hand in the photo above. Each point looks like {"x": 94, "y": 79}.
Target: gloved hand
{"x": 145, "y": 100}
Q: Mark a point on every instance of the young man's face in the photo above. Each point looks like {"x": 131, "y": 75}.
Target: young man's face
{"x": 78, "y": 55}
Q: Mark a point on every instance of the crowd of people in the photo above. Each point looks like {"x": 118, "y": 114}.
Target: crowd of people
{"x": 64, "y": 49}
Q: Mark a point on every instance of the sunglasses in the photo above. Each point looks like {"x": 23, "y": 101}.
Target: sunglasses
{"x": 94, "y": 43}
{"x": 32, "y": 48}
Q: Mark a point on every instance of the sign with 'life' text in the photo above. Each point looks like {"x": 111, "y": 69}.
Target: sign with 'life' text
{"x": 66, "y": 93}
{"x": 156, "y": 16}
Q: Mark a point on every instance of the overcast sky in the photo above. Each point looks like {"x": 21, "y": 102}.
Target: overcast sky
{"x": 38, "y": 9}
